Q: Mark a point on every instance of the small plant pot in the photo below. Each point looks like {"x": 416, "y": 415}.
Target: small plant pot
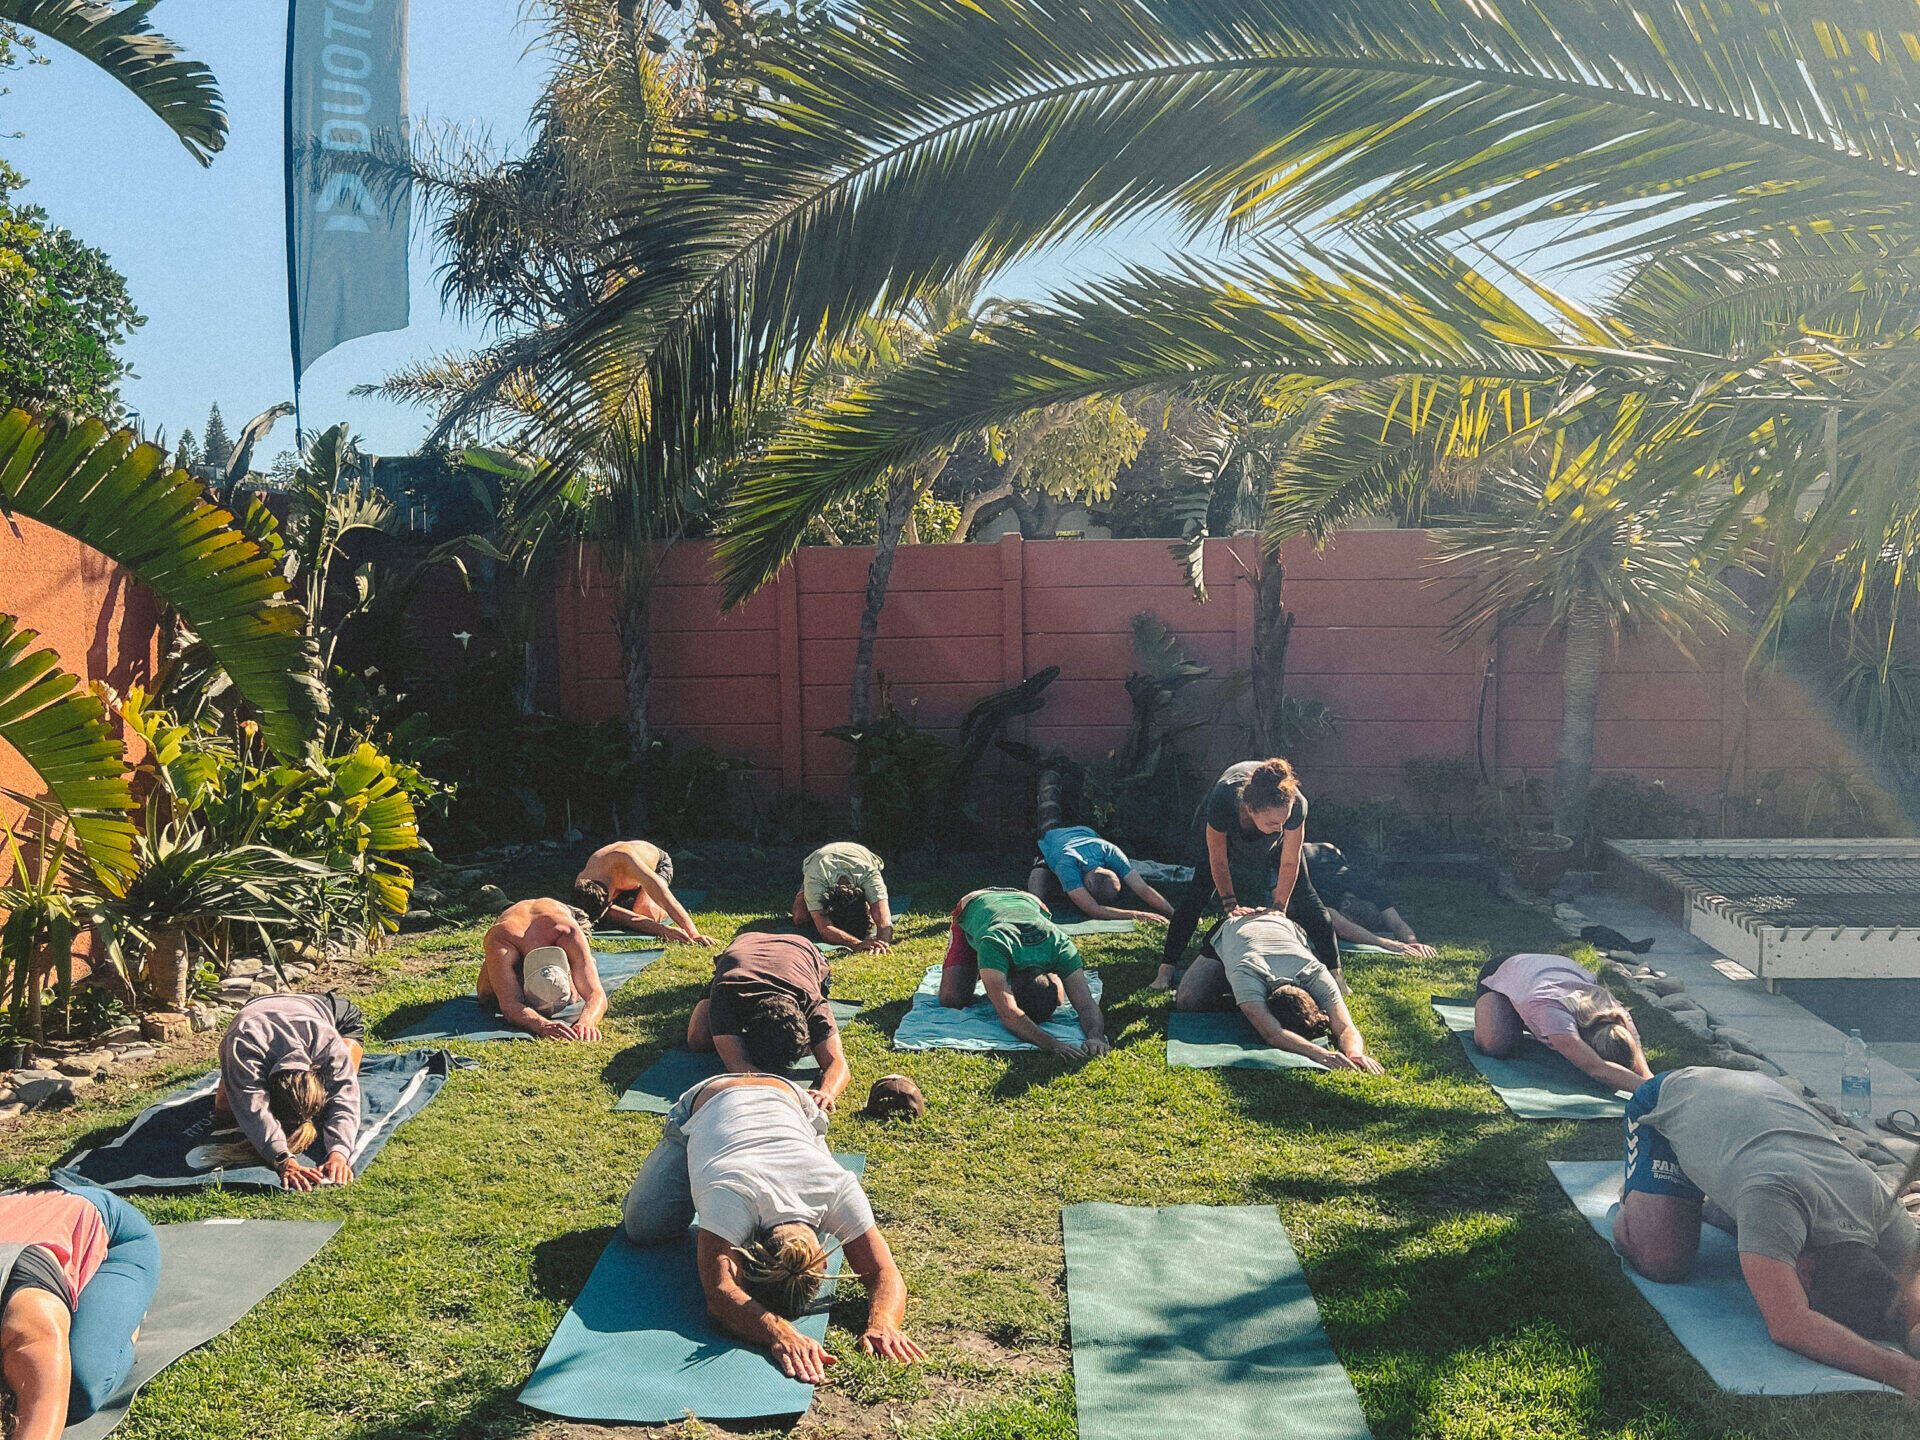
{"x": 1539, "y": 861}
{"x": 15, "y": 1054}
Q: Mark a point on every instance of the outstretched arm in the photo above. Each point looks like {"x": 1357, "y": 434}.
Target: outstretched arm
{"x": 886, "y": 1297}
{"x": 832, "y": 934}
{"x": 1799, "y": 1327}
{"x": 1155, "y": 900}
{"x": 1281, "y": 1038}
{"x": 741, "y": 1316}
{"x": 662, "y": 895}
{"x": 833, "y": 1072}
{"x": 1093, "y": 1024}
{"x": 1347, "y": 1039}
{"x": 1083, "y": 899}
{"x": 1018, "y": 1022}
{"x": 1587, "y": 1061}
{"x": 1356, "y": 934}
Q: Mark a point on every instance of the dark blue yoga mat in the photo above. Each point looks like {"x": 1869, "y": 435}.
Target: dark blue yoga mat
{"x": 156, "y": 1152}
{"x": 692, "y": 899}
{"x": 637, "y": 1347}
{"x": 655, "y": 1088}
{"x": 465, "y": 1018}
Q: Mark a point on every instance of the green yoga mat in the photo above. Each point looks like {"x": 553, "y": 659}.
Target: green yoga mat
{"x": 637, "y": 1347}
{"x": 1536, "y": 1084}
{"x": 692, "y": 899}
{"x": 655, "y": 1088}
{"x": 212, "y": 1272}
{"x": 1196, "y": 1319}
{"x": 1200, "y": 1040}
{"x": 1712, "y": 1313}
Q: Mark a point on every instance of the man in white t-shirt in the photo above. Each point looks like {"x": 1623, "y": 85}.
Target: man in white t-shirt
{"x": 745, "y": 1157}
{"x": 1262, "y": 964}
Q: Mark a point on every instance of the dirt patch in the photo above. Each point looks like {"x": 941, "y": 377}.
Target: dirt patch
{"x": 966, "y": 1369}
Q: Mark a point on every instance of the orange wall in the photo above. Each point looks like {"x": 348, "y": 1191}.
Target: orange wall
{"x": 764, "y": 680}
{"x": 102, "y": 623}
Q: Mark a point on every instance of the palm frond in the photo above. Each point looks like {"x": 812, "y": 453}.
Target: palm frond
{"x": 119, "y": 40}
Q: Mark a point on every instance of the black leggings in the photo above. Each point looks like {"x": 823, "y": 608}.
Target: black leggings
{"x": 1304, "y": 907}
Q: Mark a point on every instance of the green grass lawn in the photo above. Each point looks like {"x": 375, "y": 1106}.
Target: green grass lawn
{"x": 1463, "y": 1293}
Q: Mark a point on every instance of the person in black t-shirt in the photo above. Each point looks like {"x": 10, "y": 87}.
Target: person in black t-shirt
{"x": 767, "y": 1007}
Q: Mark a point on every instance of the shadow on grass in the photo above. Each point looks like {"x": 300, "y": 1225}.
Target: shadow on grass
{"x": 388, "y": 1027}
{"x": 561, "y": 1265}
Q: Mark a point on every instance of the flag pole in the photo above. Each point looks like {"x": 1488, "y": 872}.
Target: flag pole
{"x": 293, "y": 273}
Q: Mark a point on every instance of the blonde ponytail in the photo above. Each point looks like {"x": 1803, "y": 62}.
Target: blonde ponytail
{"x": 1605, "y": 1025}
{"x": 294, "y": 1098}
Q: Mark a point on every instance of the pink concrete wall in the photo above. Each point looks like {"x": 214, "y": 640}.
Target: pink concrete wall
{"x": 763, "y": 681}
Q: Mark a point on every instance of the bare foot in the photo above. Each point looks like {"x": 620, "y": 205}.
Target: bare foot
{"x": 1163, "y": 980}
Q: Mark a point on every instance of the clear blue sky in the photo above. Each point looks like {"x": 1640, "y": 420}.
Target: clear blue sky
{"x": 203, "y": 250}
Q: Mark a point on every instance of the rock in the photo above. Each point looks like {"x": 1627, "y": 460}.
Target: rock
{"x": 425, "y": 897}
{"x": 301, "y": 952}
{"x": 12, "y": 1109}
{"x": 246, "y": 965}
{"x": 90, "y": 1062}
{"x": 37, "y": 1091}
{"x": 1661, "y": 985}
{"x": 1675, "y": 1003}
{"x": 165, "y": 1025}
{"x": 265, "y": 987}
{"x": 416, "y": 920}
{"x": 134, "y": 1053}
{"x": 119, "y": 1035}
{"x": 1695, "y": 1021}
{"x": 490, "y": 897}
{"x": 202, "y": 1022}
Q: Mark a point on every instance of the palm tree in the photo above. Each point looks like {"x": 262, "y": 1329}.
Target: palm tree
{"x": 119, "y": 40}
{"x": 1020, "y": 122}
{"x": 1592, "y": 576}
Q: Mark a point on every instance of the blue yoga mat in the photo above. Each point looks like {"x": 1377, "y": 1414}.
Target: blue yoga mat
{"x": 929, "y": 1025}
{"x": 1712, "y": 1314}
{"x": 1070, "y": 920}
{"x": 157, "y": 1151}
{"x": 637, "y": 1347}
{"x": 1197, "y": 1320}
{"x": 1535, "y": 1083}
{"x": 1201, "y": 1040}
{"x": 465, "y": 1018}
{"x": 655, "y": 1088}
{"x": 692, "y": 899}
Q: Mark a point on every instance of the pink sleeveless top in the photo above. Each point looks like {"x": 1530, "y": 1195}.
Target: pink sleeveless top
{"x": 66, "y": 1225}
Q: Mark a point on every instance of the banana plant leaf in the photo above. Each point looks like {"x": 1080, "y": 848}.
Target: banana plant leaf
{"x": 65, "y": 734}
{"x": 115, "y": 494}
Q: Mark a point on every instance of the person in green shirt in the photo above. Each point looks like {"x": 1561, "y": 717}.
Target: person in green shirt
{"x": 1004, "y": 941}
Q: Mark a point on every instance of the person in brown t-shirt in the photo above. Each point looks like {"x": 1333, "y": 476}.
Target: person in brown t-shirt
{"x": 767, "y": 1006}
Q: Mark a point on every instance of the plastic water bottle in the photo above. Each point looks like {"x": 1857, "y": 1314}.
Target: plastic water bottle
{"x": 1856, "y": 1082}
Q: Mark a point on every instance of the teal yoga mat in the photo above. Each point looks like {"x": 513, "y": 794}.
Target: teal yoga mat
{"x": 929, "y": 1025}
{"x": 1536, "y": 1084}
{"x": 1712, "y": 1314}
{"x": 655, "y": 1088}
{"x": 464, "y": 1018}
{"x": 637, "y": 1347}
{"x": 1200, "y": 1040}
{"x": 692, "y": 899}
{"x": 1196, "y": 1319}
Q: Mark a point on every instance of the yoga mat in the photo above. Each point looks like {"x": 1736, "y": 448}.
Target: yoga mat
{"x": 212, "y": 1272}
{"x": 1197, "y": 1319}
{"x": 691, "y": 899}
{"x": 1201, "y": 1040}
{"x": 637, "y": 1347}
{"x": 1074, "y": 923}
{"x": 1159, "y": 870}
{"x": 1712, "y": 1314}
{"x": 465, "y": 1018}
{"x": 655, "y": 1089}
{"x": 897, "y": 907}
{"x": 929, "y": 1025}
{"x": 158, "y": 1150}
{"x": 1536, "y": 1084}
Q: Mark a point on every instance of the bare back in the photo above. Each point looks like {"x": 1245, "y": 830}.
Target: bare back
{"x": 525, "y": 926}
{"x": 620, "y": 866}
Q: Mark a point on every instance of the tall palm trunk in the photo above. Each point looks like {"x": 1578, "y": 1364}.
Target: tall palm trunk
{"x": 1579, "y": 704}
{"x": 168, "y": 967}
{"x": 1272, "y": 625}
{"x": 635, "y": 569}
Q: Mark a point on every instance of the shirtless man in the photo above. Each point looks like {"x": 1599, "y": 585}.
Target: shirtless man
{"x": 625, "y": 885}
{"x": 537, "y": 965}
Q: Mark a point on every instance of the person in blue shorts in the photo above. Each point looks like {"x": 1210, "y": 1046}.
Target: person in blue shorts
{"x": 78, "y": 1269}
{"x": 1832, "y": 1258}
{"x": 1094, "y": 874}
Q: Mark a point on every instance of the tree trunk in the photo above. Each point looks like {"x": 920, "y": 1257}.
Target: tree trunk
{"x": 634, "y": 572}
{"x": 1579, "y": 704}
{"x": 1271, "y": 627}
{"x": 893, "y": 521}
{"x": 169, "y": 967}
{"x": 975, "y": 504}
